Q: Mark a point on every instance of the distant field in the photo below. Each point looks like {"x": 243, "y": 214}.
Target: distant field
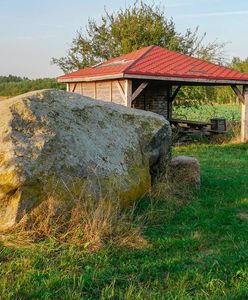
{"x": 205, "y": 112}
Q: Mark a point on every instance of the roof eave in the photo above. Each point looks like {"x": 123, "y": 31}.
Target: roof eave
{"x": 188, "y": 80}
{"x": 88, "y": 79}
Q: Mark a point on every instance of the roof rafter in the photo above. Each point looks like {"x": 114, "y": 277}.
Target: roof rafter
{"x": 238, "y": 93}
{"x": 141, "y": 87}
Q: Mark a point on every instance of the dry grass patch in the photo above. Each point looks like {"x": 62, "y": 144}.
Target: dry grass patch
{"x": 89, "y": 224}
{"x": 92, "y": 224}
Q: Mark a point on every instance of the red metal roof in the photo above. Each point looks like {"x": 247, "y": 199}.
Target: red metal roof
{"x": 155, "y": 61}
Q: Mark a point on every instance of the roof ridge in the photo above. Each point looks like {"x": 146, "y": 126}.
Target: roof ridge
{"x": 105, "y": 62}
{"x": 149, "y": 48}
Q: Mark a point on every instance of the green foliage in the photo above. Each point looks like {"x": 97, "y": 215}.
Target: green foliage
{"x": 210, "y": 94}
{"x": 129, "y": 29}
{"x": 221, "y": 95}
{"x": 11, "y": 86}
{"x": 199, "y": 254}
{"x": 205, "y": 112}
{"x": 240, "y": 65}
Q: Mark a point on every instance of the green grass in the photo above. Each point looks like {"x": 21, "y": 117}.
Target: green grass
{"x": 205, "y": 112}
{"x": 201, "y": 253}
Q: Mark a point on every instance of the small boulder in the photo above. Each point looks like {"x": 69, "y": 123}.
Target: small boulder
{"x": 54, "y": 143}
{"x": 186, "y": 170}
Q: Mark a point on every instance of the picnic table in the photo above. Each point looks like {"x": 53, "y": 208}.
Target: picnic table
{"x": 186, "y": 129}
{"x": 191, "y": 124}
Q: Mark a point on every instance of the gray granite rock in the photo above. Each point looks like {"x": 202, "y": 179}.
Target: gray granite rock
{"x": 63, "y": 144}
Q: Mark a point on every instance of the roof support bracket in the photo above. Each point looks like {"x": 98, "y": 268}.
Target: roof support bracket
{"x": 141, "y": 87}
{"x": 121, "y": 90}
{"x": 74, "y": 87}
{"x": 175, "y": 93}
{"x": 238, "y": 93}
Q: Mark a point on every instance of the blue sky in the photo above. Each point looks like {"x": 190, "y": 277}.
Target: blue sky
{"x": 32, "y": 31}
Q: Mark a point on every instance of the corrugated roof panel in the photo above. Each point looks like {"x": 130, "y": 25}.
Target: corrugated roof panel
{"x": 158, "y": 61}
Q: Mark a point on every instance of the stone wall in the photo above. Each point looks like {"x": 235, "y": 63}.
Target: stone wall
{"x": 153, "y": 98}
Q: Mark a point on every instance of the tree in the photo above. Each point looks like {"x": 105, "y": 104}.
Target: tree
{"x": 240, "y": 65}
{"x": 12, "y": 78}
{"x": 129, "y": 29}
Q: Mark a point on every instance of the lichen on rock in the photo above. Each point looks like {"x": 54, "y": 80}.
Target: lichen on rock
{"x": 57, "y": 142}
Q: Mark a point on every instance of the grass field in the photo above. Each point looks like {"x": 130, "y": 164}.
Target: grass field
{"x": 205, "y": 112}
{"x": 200, "y": 253}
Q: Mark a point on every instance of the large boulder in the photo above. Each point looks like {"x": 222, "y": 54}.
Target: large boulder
{"x": 63, "y": 144}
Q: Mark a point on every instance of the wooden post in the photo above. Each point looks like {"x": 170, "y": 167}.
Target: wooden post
{"x": 244, "y": 118}
{"x": 169, "y": 102}
{"x": 128, "y": 92}
{"x": 95, "y": 90}
{"x": 110, "y": 91}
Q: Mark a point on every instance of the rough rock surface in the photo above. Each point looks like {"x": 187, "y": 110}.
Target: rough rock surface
{"x": 186, "y": 169}
{"x": 63, "y": 144}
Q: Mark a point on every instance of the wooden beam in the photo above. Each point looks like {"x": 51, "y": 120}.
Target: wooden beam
{"x": 110, "y": 90}
{"x": 175, "y": 93}
{"x": 186, "y": 81}
{"x": 169, "y": 102}
{"x": 238, "y": 93}
{"x": 95, "y": 78}
{"x": 74, "y": 87}
{"x": 244, "y": 117}
{"x": 121, "y": 90}
{"x": 128, "y": 92}
{"x": 95, "y": 90}
{"x": 136, "y": 93}
{"x": 183, "y": 81}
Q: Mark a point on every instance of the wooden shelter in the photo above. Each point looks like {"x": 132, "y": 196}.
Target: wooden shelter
{"x": 150, "y": 79}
